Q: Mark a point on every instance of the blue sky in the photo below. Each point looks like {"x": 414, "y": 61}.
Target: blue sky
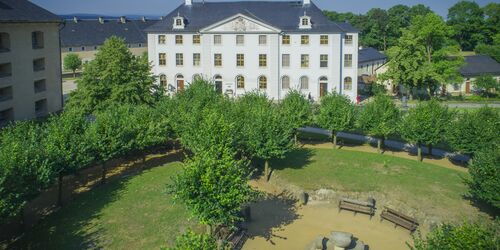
{"x": 162, "y": 7}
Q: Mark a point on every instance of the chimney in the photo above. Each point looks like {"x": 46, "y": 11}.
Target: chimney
{"x": 306, "y": 2}
{"x": 75, "y": 19}
{"x": 123, "y": 19}
{"x": 101, "y": 20}
{"x": 189, "y": 2}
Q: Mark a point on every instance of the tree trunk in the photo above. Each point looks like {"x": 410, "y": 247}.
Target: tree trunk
{"x": 267, "y": 170}
{"x": 380, "y": 145}
{"x": 143, "y": 165}
{"x": 430, "y": 149}
{"x": 59, "y": 191}
{"x": 103, "y": 178}
{"x": 74, "y": 73}
{"x": 419, "y": 152}
{"x": 295, "y": 137}
{"x": 334, "y": 138}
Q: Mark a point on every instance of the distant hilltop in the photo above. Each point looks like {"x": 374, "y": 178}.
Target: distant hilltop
{"x": 84, "y": 16}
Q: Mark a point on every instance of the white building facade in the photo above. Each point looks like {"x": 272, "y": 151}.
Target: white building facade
{"x": 246, "y": 46}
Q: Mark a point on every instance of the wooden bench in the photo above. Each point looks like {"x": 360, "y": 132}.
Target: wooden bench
{"x": 399, "y": 219}
{"x": 235, "y": 237}
{"x": 365, "y": 207}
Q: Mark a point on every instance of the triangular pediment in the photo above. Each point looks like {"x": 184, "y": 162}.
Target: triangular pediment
{"x": 240, "y": 24}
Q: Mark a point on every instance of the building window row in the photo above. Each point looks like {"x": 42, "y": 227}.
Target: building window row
{"x": 240, "y": 39}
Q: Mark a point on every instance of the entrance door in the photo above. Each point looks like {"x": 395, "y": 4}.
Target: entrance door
{"x": 323, "y": 86}
{"x": 218, "y": 87}
{"x": 180, "y": 85}
{"x": 467, "y": 87}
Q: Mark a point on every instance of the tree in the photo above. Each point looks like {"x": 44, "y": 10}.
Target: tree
{"x": 425, "y": 124}
{"x": 487, "y": 83}
{"x": 296, "y": 110}
{"x": 485, "y": 176}
{"x": 72, "y": 62}
{"x": 422, "y": 56}
{"x": 336, "y": 113}
{"x": 471, "y": 132}
{"x": 66, "y": 149}
{"x": 214, "y": 186}
{"x": 115, "y": 76}
{"x": 379, "y": 118}
{"x": 111, "y": 135}
{"x": 23, "y": 171}
{"x": 465, "y": 236}
{"x": 266, "y": 135}
{"x": 492, "y": 22}
{"x": 467, "y": 21}
{"x": 193, "y": 241}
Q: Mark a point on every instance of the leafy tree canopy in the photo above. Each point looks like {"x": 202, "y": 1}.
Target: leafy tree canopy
{"x": 72, "y": 62}
{"x": 485, "y": 176}
{"x": 193, "y": 241}
{"x": 380, "y": 117}
{"x": 466, "y": 19}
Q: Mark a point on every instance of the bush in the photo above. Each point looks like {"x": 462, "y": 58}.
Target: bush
{"x": 453, "y": 237}
{"x": 193, "y": 241}
{"x": 484, "y": 184}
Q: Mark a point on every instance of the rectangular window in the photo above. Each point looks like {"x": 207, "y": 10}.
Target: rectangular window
{"x": 196, "y": 39}
{"x": 178, "y": 39}
{"x": 162, "y": 59}
{"x": 6, "y": 116}
{"x": 262, "y": 39}
{"x": 240, "y": 39}
{"x": 348, "y": 60}
{"x": 304, "y": 40}
{"x": 4, "y": 42}
{"x": 179, "y": 59}
{"x": 285, "y": 40}
{"x": 218, "y": 60}
{"x": 39, "y": 86}
{"x": 348, "y": 39}
{"x": 285, "y": 60}
{"x": 5, "y": 93}
{"x": 41, "y": 107}
{"x": 5, "y": 70}
{"x": 323, "y": 40}
{"x": 304, "y": 61}
{"x": 217, "y": 39}
{"x": 240, "y": 60}
{"x": 37, "y": 40}
{"x": 162, "y": 39}
{"x": 196, "y": 59}
{"x": 323, "y": 61}
{"x": 39, "y": 64}
{"x": 262, "y": 60}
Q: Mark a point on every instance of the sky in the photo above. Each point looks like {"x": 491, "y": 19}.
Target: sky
{"x": 163, "y": 7}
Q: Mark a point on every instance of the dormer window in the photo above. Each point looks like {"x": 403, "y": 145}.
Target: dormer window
{"x": 178, "y": 22}
{"x": 305, "y": 22}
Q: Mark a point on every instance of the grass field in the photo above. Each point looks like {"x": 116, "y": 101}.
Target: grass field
{"x": 131, "y": 213}
{"x": 436, "y": 190}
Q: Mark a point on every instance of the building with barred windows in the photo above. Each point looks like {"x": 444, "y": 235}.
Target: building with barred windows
{"x": 270, "y": 46}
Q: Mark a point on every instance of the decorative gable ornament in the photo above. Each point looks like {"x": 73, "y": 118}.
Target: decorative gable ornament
{"x": 179, "y": 22}
{"x": 305, "y": 22}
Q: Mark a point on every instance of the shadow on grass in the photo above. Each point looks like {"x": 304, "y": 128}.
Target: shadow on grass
{"x": 296, "y": 159}
{"x": 77, "y": 224}
{"x": 483, "y": 206}
{"x": 270, "y": 214}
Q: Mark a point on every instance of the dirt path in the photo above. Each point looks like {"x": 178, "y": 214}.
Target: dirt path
{"x": 278, "y": 224}
{"x": 443, "y": 162}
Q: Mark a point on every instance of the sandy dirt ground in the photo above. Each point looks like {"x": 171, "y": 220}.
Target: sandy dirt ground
{"x": 279, "y": 223}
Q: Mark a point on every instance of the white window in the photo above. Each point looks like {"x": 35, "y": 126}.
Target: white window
{"x": 218, "y": 60}
{"x": 196, "y": 59}
{"x": 179, "y": 59}
{"x": 285, "y": 82}
{"x": 162, "y": 59}
{"x": 348, "y": 60}
{"x": 304, "y": 61}
{"x": 262, "y": 60}
{"x": 304, "y": 83}
{"x": 217, "y": 39}
{"x": 262, "y": 82}
{"x": 240, "y": 60}
{"x": 347, "y": 83}
{"x": 240, "y": 82}
{"x": 162, "y": 39}
{"x": 348, "y": 39}
{"x": 323, "y": 61}
{"x": 240, "y": 39}
{"x": 262, "y": 39}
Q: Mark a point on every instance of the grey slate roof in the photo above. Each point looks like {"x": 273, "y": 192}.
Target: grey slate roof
{"x": 93, "y": 33}
{"x": 370, "y": 54}
{"x": 480, "y": 65}
{"x": 282, "y": 15}
{"x": 15, "y": 11}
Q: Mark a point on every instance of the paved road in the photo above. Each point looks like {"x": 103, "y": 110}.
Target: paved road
{"x": 68, "y": 87}
{"x": 389, "y": 143}
{"x": 466, "y": 105}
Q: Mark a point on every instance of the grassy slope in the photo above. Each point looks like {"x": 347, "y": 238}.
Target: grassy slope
{"x": 422, "y": 186}
{"x": 131, "y": 213}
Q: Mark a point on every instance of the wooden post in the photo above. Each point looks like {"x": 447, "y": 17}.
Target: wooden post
{"x": 103, "y": 178}
{"x": 267, "y": 170}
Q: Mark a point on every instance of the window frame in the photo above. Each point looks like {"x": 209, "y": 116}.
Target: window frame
{"x": 348, "y": 58}
{"x": 286, "y": 40}
{"x": 162, "y": 39}
{"x": 348, "y": 83}
{"x": 283, "y": 82}
{"x": 196, "y": 59}
{"x": 240, "y": 60}
{"x": 304, "y": 61}
{"x": 262, "y": 82}
{"x": 324, "y": 40}
{"x": 179, "y": 59}
{"x": 323, "y": 63}
{"x": 304, "y": 40}
{"x": 240, "y": 82}
{"x": 262, "y": 39}
{"x": 240, "y": 39}
{"x": 179, "y": 39}
{"x": 217, "y": 60}
{"x": 162, "y": 61}
{"x": 262, "y": 60}
{"x": 196, "y": 39}
{"x": 217, "y": 39}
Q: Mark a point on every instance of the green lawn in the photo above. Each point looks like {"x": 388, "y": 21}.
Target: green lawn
{"x": 436, "y": 190}
{"x": 130, "y": 213}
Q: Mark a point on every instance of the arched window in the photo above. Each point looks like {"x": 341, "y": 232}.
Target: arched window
{"x": 218, "y": 83}
{"x": 347, "y": 83}
{"x": 323, "y": 86}
{"x": 285, "y": 82}
{"x": 196, "y": 77}
{"x": 163, "y": 82}
{"x": 4, "y": 42}
{"x": 240, "y": 82}
{"x": 180, "y": 82}
{"x": 304, "y": 82}
{"x": 262, "y": 82}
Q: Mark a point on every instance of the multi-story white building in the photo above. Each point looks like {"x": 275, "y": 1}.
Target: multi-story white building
{"x": 247, "y": 46}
